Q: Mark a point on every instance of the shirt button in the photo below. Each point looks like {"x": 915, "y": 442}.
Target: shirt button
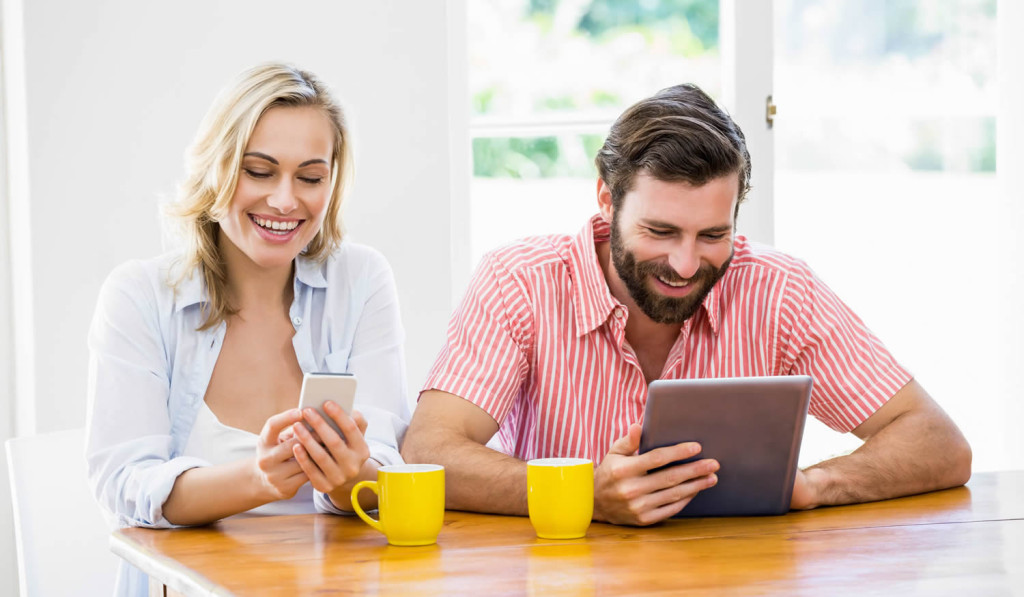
{"x": 619, "y": 312}
{"x": 297, "y": 320}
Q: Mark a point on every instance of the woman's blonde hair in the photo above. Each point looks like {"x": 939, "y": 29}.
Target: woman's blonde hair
{"x": 214, "y": 160}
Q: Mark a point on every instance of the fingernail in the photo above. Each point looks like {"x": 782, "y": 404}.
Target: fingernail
{"x": 712, "y": 479}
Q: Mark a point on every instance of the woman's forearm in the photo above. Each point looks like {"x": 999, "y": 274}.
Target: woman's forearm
{"x": 207, "y": 494}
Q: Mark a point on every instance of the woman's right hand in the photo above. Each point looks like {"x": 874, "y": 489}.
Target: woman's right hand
{"x": 278, "y": 475}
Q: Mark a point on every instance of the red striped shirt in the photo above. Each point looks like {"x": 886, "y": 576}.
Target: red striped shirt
{"x": 539, "y": 343}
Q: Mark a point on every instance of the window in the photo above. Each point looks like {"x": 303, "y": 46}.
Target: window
{"x": 886, "y": 185}
{"x": 547, "y": 78}
{"x": 884, "y": 152}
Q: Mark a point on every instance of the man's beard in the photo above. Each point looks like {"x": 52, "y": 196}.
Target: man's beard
{"x": 660, "y": 308}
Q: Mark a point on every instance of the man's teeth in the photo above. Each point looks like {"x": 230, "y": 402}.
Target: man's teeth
{"x": 674, "y": 284}
{"x": 277, "y": 226}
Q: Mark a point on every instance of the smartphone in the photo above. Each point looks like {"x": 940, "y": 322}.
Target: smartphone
{"x": 318, "y": 388}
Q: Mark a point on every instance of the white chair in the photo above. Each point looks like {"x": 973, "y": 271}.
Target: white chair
{"x": 62, "y": 538}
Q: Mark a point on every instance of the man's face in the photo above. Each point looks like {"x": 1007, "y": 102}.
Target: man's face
{"x": 671, "y": 242}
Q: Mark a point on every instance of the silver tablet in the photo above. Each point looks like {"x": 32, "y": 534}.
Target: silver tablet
{"x": 751, "y": 425}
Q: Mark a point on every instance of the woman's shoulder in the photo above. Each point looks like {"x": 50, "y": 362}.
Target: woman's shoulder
{"x": 351, "y": 259}
{"x": 153, "y": 278}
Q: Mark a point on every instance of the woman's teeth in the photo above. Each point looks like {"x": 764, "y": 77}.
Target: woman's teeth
{"x": 275, "y": 226}
{"x": 674, "y": 284}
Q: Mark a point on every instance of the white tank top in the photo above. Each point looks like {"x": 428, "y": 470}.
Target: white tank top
{"x": 218, "y": 443}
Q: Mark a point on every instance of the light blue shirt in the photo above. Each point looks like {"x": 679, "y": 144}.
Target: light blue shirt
{"x": 149, "y": 369}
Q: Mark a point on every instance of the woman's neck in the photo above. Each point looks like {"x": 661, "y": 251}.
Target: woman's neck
{"x": 255, "y": 289}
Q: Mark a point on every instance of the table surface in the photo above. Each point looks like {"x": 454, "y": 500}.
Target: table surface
{"x": 964, "y": 540}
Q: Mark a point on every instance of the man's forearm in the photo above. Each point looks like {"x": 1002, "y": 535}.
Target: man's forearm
{"x": 917, "y": 452}
{"x": 477, "y": 478}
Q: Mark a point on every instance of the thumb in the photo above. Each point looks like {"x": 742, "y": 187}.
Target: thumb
{"x": 360, "y": 421}
{"x": 628, "y": 444}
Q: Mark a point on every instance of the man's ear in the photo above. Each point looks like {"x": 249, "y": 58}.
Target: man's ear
{"x": 604, "y": 200}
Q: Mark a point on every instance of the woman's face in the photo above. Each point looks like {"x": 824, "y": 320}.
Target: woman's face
{"x": 284, "y": 187}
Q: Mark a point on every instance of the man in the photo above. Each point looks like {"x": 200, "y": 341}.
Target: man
{"x": 558, "y": 337}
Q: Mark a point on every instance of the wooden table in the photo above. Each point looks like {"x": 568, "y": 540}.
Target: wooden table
{"x": 966, "y": 541}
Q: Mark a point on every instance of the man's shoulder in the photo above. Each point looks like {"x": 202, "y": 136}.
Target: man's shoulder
{"x": 532, "y": 253}
{"x": 750, "y": 255}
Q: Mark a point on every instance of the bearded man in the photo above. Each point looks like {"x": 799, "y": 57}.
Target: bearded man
{"x": 558, "y": 337}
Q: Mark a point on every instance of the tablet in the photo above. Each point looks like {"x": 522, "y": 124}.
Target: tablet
{"x": 751, "y": 425}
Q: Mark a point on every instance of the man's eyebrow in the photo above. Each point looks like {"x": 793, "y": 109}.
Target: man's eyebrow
{"x": 654, "y": 223}
{"x": 263, "y": 156}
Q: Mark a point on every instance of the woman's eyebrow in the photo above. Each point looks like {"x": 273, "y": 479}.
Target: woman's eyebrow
{"x": 264, "y": 156}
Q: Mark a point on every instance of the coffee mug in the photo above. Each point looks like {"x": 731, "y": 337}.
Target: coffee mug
{"x": 410, "y": 501}
{"x": 560, "y": 496}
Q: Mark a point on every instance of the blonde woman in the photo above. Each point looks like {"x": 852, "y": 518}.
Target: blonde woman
{"x": 197, "y": 358}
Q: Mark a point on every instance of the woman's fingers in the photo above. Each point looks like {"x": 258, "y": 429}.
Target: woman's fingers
{"x": 272, "y": 429}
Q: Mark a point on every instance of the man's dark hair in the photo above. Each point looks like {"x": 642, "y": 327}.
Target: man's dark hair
{"x": 679, "y": 134}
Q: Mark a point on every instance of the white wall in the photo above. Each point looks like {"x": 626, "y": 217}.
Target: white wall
{"x": 114, "y": 91}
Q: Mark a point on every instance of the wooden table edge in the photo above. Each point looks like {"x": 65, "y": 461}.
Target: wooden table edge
{"x": 158, "y": 567}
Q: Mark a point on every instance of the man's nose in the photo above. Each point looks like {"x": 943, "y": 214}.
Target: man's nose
{"x": 684, "y": 259}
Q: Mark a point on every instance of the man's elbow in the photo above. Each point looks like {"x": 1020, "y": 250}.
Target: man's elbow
{"x": 960, "y": 469}
{"x": 416, "y": 446}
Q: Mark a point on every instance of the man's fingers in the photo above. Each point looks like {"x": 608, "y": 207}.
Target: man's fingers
{"x": 677, "y": 475}
{"x": 628, "y": 444}
{"x": 660, "y": 457}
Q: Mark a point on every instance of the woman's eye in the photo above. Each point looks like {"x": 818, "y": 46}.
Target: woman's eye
{"x": 311, "y": 179}
{"x": 256, "y": 173}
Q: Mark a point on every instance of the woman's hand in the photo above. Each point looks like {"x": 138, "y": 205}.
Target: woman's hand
{"x": 277, "y": 473}
{"x": 331, "y": 461}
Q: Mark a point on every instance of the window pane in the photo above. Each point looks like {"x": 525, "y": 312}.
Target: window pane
{"x": 586, "y": 58}
{"x": 537, "y": 157}
{"x": 886, "y": 85}
{"x": 886, "y": 184}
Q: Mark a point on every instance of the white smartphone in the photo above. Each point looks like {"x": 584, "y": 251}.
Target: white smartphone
{"x": 318, "y": 388}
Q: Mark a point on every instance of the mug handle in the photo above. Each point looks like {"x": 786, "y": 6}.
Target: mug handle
{"x": 372, "y": 486}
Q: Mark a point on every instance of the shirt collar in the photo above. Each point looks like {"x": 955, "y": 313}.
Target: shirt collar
{"x": 192, "y": 290}
{"x": 593, "y": 299}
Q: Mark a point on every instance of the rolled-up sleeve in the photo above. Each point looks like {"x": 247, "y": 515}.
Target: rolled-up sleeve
{"x": 377, "y": 359}
{"x": 128, "y": 446}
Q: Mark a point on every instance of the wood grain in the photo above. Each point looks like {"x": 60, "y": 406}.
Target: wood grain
{"x": 960, "y": 540}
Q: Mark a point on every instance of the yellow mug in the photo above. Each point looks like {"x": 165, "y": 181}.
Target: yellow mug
{"x": 410, "y": 501}
{"x": 560, "y": 496}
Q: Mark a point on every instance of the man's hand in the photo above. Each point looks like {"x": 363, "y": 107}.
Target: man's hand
{"x": 805, "y": 496}
{"x": 625, "y": 494}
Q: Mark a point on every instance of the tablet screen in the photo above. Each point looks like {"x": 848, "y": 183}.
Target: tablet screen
{"x": 753, "y": 427}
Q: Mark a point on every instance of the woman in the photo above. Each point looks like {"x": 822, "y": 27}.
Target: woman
{"x": 197, "y": 358}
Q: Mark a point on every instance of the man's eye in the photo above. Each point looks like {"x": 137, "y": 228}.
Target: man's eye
{"x": 256, "y": 173}
{"x": 715, "y": 236}
{"x": 657, "y": 232}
